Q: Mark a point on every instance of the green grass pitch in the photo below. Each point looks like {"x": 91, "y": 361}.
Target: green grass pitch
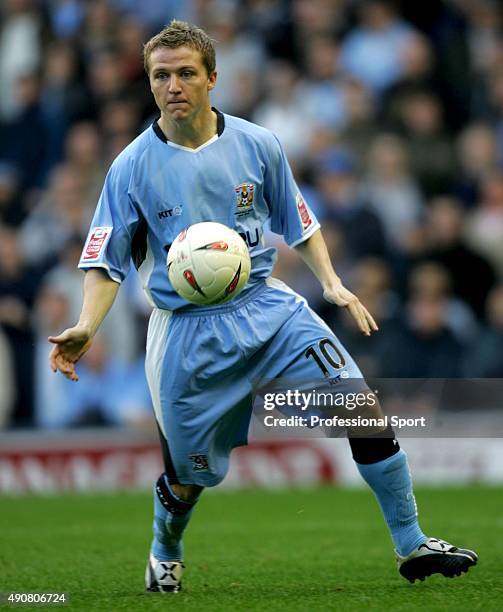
{"x": 303, "y": 550}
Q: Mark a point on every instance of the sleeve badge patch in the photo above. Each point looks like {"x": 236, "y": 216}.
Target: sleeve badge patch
{"x": 303, "y": 210}
{"x": 96, "y": 243}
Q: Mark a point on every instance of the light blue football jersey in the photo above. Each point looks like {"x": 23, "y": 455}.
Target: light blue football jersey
{"x": 155, "y": 188}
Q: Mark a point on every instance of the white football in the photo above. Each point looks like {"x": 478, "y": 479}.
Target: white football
{"x": 208, "y": 263}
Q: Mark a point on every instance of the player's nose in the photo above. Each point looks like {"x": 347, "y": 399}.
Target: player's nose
{"x": 174, "y": 83}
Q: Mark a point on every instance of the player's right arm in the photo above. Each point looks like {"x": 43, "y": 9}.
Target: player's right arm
{"x": 70, "y": 345}
{"x": 106, "y": 258}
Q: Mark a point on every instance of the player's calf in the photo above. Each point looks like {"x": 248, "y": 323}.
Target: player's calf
{"x": 171, "y": 516}
{"x": 383, "y": 465}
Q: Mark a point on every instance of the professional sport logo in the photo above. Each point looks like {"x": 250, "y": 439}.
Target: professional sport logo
{"x": 303, "y": 210}
{"x": 244, "y": 196}
{"x": 96, "y": 243}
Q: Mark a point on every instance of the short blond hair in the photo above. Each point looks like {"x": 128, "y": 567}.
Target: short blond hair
{"x": 177, "y": 34}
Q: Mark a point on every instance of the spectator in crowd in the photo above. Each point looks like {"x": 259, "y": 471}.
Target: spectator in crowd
{"x": 432, "y": 280}
{"x": 485, "y": 223}
{"x": 64, "y": 99}
{"x": 372, "y": 51}
{"x": 99, "y": 28}
{"x": 392, "y": 192}
{"x": 61, "y": 213}
{"x": 313, "y": 18}
{"x": 447, "y": 28}
{"x": 130, "y": 43}
{"x": 477, "y": 155}
{"x": 18, "y": 146}
{"x": 426, "y": 346}
{"x": 118, "y": 122}
{"x": 343, "y": 205}
{"x": 107, "y": 79}
{"x": 418, "y": 75}
{"x": 361, "y": 126}
{"x": 83, "y": 158}
{"x": 321, "y": 94}
{"x": 484, "y": 359}
{"x": 240, "y": 58}
{"x": 484, "y": 44}
{"x": 66, "y": 18}
{"x": 21, "y": 32}
{"x": 471, "y": 273}
{"x": 19, "y": 282}
{"x": 281, "y": 112}
{"x": 271, "y": 22}
{"x": 430, "y": 149}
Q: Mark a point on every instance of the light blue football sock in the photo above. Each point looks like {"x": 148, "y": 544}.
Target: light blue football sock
{"x": 168, "y": 529}
{"x": 392, "y": 485}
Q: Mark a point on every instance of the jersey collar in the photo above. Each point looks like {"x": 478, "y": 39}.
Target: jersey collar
{"x": 220, "y": 128}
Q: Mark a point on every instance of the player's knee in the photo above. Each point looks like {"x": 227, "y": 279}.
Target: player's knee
{"x": 187, "y": 493}
{"x": 375, "y": 447}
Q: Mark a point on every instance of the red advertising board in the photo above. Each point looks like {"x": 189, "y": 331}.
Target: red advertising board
{"x": 96, "y": 462}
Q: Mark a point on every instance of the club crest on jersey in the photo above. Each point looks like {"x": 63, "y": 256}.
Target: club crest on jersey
{"x": 303, "y": 210}
{"x": 199, "y": 462}
{"x": 96, "y": 242}
{"x": 244, "y": 197}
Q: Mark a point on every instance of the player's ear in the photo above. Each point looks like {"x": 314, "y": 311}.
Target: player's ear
{"x": 212, "y": 79}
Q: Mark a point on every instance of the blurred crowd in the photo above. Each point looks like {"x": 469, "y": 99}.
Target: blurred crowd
{"x": 392, "y": 119}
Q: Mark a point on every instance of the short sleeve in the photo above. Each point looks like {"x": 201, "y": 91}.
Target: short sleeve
{"x": 108, "y": 243}
{"x": 291, "y": 216}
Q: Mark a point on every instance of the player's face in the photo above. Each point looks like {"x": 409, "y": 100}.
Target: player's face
{"x": 180, "y": 82}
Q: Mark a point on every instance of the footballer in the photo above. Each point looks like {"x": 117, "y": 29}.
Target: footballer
{"x": 197, "y": 164}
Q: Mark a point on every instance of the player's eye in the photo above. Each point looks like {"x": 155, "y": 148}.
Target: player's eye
{"x": 161, "y": 75}
{"x": 186, "y": 74}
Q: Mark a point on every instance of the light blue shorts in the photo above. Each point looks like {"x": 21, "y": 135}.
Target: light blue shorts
{"x": 203, "y": 365}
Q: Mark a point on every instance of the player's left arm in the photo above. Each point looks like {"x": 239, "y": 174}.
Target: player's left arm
{"x": 315, "y": 253}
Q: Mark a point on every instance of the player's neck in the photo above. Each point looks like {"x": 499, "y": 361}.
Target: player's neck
{"x": 191, "y": 133}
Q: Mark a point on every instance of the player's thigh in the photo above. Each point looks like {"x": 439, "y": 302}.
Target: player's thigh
{"x": 201, "y": 430}
{"x": 307, "y": 356}
{"x": 314, "y": 351}
{"x": 202, "y": 398}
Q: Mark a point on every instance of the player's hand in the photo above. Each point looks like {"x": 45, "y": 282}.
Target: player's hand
{"x": 70, "y": 346}
{"x": 341, "y": 296}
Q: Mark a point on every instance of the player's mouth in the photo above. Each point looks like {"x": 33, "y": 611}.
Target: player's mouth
{"x": 175, "y": 102}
